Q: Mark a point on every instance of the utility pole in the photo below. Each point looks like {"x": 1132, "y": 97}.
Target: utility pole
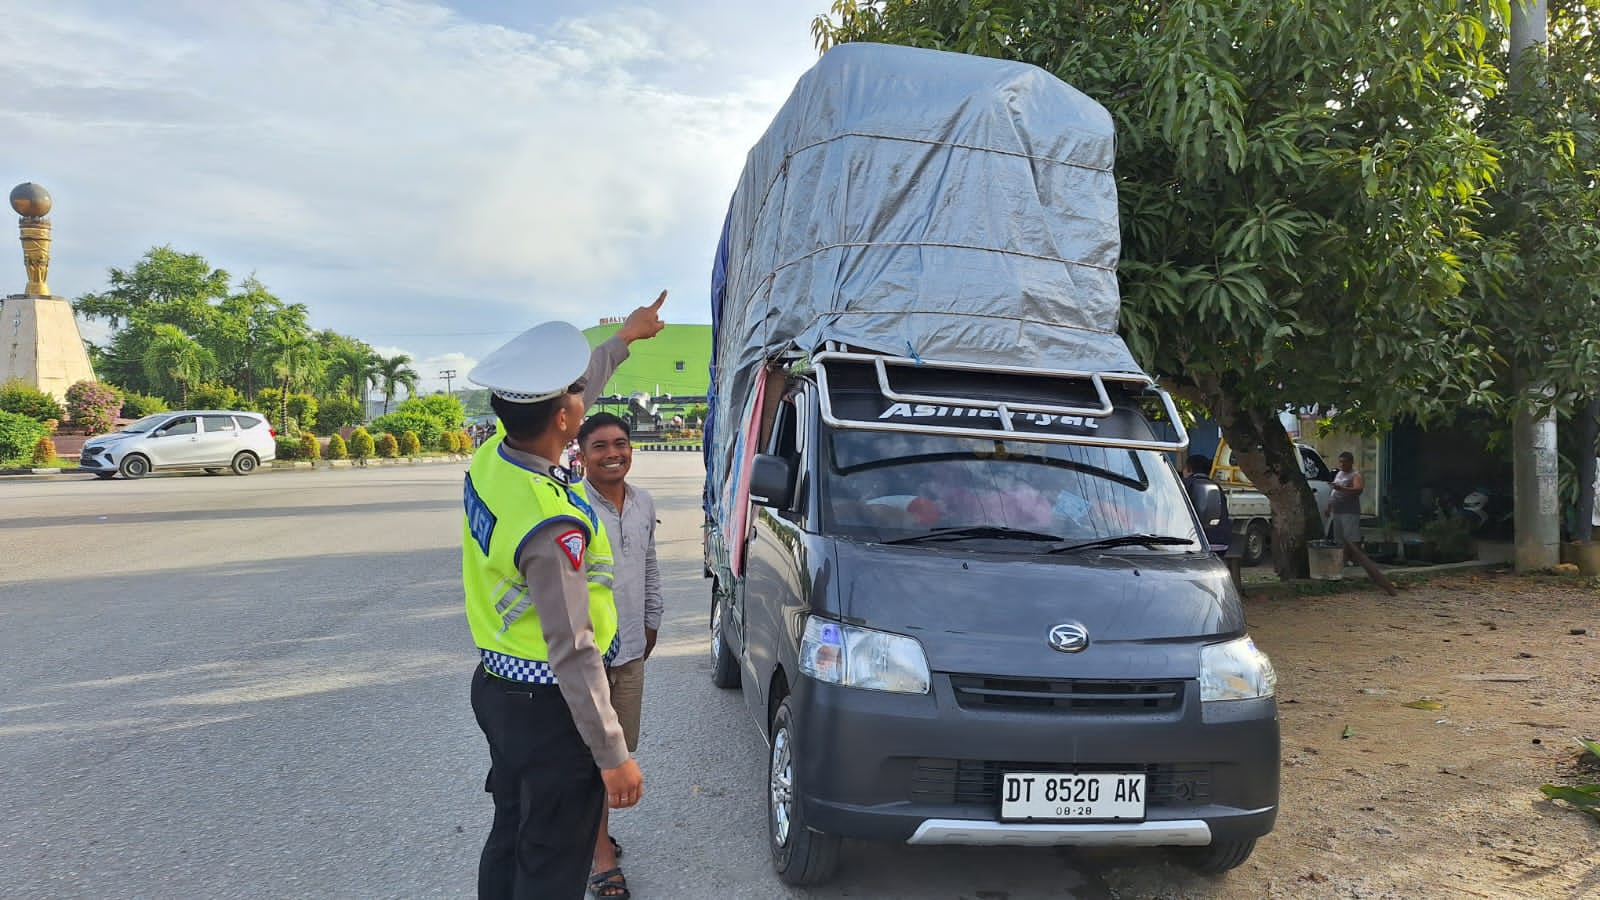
{"x": 447, "y": 374}
{"x": 1533, "y": 435}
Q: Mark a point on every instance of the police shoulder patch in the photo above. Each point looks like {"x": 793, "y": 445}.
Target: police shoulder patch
{"x": 572, "y": 544}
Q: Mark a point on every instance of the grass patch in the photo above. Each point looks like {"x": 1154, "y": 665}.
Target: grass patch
{"x": 27, "y": 463}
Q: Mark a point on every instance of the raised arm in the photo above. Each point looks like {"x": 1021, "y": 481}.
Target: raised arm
{"x": 642, "y": 324}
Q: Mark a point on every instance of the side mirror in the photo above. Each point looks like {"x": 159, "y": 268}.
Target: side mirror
{"x": 1207, "y": 498}
{"x": 771, "y": 481}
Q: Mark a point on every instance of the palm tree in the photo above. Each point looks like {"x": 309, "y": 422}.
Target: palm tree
{"x": 293, "y": 358}
{"x": 393, "y": 373}
{"x": 354, "y": 368}
{"x": 173, "y": 358}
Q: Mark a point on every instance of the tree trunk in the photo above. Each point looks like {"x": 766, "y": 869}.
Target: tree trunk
{"x": 1263, "y": 450}
{"x": 283, "y": 408}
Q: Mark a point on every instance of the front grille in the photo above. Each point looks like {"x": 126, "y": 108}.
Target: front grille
{"x": 1069, "y": 695}
{"x": 967, "y": 782}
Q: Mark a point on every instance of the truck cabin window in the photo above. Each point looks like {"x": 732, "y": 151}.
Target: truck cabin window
{"x": 880, "y": 486}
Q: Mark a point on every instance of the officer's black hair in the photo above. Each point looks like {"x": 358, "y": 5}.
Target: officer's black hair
{"x": 526, "y": 421}
{"x": 598, "y": 421}
{"x": 1200, "y": 464}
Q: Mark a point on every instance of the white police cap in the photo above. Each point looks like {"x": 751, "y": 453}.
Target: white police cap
{"x": 536, "y": 365}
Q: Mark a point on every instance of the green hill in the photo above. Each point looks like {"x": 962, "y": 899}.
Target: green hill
{"x": 675, "y": 362}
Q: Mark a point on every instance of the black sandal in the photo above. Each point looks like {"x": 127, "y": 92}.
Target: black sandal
{"x": 610, "y": 885}
{"x": 616, "y": 848}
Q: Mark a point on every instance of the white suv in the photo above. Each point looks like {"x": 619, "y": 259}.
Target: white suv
{"x": 187, "y": 439}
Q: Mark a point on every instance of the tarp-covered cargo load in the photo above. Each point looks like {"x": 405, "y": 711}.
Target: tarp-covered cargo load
{"x": 924, "y": 204}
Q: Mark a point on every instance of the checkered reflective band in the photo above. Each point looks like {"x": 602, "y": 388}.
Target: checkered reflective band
{"x": 515, "y": 668}
{"x": 532, "y": 671}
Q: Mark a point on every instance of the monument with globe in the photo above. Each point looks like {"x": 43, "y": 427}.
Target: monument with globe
{"x": 39, "y": 339}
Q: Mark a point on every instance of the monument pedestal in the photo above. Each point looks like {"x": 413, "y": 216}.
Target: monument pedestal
{"x": 40, "y": 344}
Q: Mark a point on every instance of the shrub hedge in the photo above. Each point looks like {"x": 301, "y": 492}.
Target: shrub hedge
{"x": 18, "y": 435}
{"x": 18, "y": 396}
{"x": 336, "y": 448}
{"x": 388, "y": 447}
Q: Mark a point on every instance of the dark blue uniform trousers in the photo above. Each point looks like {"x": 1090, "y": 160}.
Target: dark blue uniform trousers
{"x": 548, "y": 794}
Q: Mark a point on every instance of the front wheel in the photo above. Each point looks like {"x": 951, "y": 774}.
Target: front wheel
{"x": 799, "y": 855}
{"x": 243, "y": 463}
{"x": 1255, "y": 542}
{"x": 1219, "y": 857}
{"x": 724, "y": 665}
{"x": 134, "y": 466}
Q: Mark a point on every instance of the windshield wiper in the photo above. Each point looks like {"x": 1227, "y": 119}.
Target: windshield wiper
{"x": 976, "y": 531}
{"x": 1124, "y": 540}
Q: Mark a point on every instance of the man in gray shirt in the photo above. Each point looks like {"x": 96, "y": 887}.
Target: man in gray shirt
{"x": 628, "y": 515}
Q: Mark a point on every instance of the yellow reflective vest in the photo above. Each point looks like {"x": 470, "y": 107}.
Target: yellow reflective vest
{"x": 506, "y": 502}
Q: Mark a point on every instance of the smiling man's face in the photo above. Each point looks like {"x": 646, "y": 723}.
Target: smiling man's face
{"x": 607, "y": 456}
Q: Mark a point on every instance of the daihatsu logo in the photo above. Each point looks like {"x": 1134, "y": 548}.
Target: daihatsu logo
{"x": 1069, "y": 637}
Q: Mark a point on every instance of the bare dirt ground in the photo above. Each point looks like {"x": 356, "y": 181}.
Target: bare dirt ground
{"x": 1382, "y": 800}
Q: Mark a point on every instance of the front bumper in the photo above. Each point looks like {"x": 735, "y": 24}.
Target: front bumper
{"x": 928, "y": 769}
{"x": 97, "y": 459}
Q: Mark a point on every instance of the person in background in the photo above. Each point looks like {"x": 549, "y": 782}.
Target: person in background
{"x": 1344, "y": 507}
{"x": 628, "y": 514}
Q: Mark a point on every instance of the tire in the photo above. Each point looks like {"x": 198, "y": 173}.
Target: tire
{"x": 1218, "y": 857}
{"x": 134, "y": 466}
{"x": 244, "y": 462}
{"x": 800, "y": 856}
{"x": 1256, "y": 538}
{"x": 724, "y": 665}
{"x": 103, "y": 476}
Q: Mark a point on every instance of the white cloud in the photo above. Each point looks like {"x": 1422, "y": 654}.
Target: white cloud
{"x": 417, "y": 177}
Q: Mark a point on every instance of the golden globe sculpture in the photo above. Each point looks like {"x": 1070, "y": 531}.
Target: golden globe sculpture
{"x": 32, "y": 203}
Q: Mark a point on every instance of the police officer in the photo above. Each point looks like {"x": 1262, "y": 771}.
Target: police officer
{"x": 536, "y": 567}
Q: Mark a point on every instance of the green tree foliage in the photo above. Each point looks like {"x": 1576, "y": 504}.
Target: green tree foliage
{"x": 18, "y": 435}
{"x": 351, "y": 371}
{"x": 338, "y": 412}
{"x": 427, "y": 427}
{"x": 410, "y": 444}
{"x": 445, "y": 408}
{"x": 253, "y": 338}
{"x": 387, "y": 446}
{"x": 215, "y": 396}
{"x": 93, "y": 406}
{"x": 336, "y": 448}
{"x": 310, "y": 448}
{"x": 361, "y": 446}
{"x": 395, "y": 372}
{"x": 1299, "y": 193}
{"x": 173, "y": 361}
{"x": 18, "y": 396}
{"x": 137, "y": 406}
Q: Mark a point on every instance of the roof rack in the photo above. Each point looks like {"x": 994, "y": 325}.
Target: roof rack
{"x": 1004, "y": 409}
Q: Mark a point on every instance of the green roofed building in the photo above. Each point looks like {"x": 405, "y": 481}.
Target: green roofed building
{"x": 675, "y": 362}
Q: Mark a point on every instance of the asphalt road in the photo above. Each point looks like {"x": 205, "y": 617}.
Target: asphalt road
{"x": 257, "y": 687}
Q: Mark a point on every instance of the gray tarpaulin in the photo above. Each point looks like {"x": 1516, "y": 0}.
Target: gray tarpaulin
{"x": 920, "y": 203}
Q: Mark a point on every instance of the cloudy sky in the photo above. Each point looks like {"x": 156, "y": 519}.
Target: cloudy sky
{"x": 431, "y": 177}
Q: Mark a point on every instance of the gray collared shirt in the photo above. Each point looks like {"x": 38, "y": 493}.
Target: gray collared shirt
{"x": 637, "y": 583}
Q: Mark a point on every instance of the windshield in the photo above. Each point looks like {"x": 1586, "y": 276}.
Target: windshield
{"x": 148, "y": 422}
{"x": 882, "y": 487}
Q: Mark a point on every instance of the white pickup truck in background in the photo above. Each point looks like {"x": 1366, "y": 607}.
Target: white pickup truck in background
{"x": 1249, "y": 508}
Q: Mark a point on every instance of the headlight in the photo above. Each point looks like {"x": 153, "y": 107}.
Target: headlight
{"x": 863, "y": 658}
{"x": 1236, "y": 670}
